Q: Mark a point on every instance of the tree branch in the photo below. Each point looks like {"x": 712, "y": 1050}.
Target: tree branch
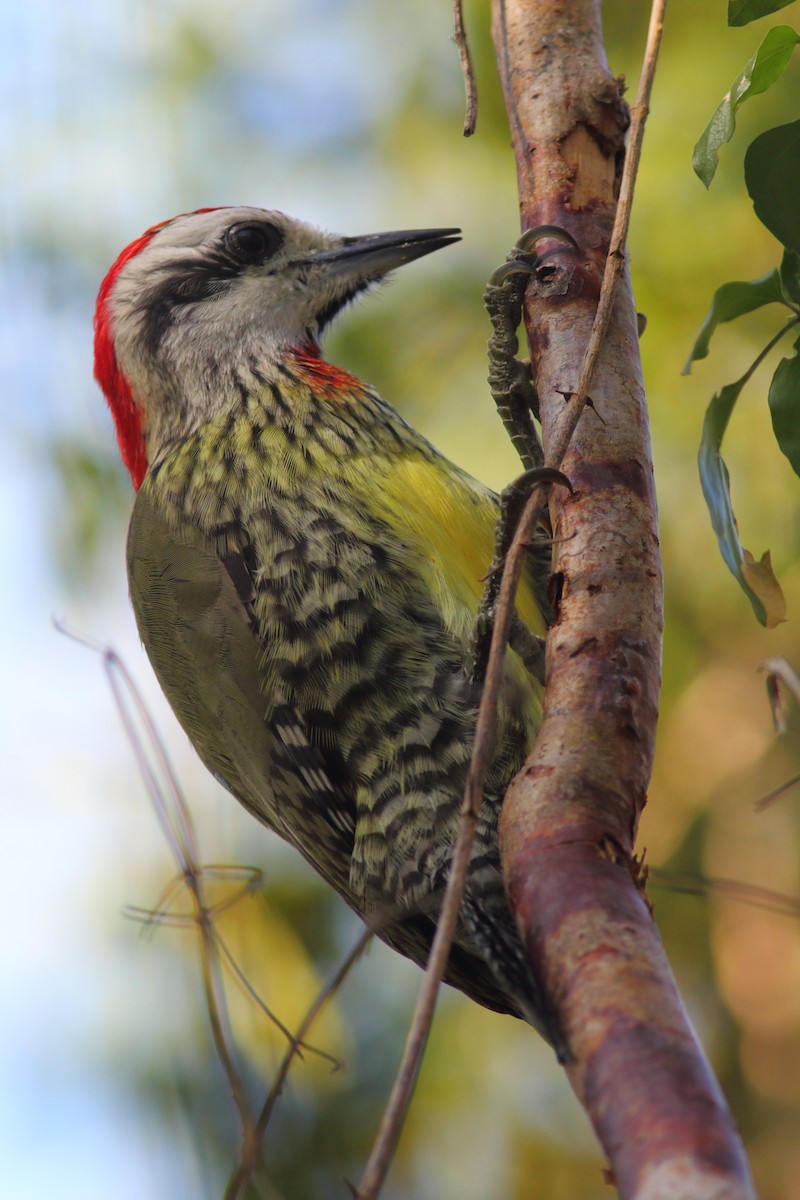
{"x": 571, "y": 815}
{"x": 467, "y": 70}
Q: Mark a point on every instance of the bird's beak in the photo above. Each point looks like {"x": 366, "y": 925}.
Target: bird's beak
{"x": 375, "y": 254}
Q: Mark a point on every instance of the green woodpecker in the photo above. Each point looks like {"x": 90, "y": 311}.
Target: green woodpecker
{"x": 305, "y": 571}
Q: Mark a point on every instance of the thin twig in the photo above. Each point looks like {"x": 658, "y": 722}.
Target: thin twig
{"x": 243, "y": 1173}
{"x": 467, "y": 69}
{"x": 175, "y": 819}
{"x": 296, "y": 1044}
{"x": 732, "y": 889}
{"x": 776, "y": 793}
{"x": 251, "y": 878}
{"x": 778, "y": 671}
{"x": 400, "y": 1096}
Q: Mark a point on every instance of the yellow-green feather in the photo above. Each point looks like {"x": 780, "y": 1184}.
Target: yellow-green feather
{"x": 339, "y": 560}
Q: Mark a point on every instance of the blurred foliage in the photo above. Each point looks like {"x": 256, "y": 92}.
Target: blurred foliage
{"x": 772, "y": 176}
{"x": 350, "y": 115}
{"x": 98, "y": 502}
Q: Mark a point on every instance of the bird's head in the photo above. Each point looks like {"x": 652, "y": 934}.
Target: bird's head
{"x": 195, "y": 303}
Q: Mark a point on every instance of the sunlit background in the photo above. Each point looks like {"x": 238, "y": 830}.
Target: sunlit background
{"x": 114, "y": 115}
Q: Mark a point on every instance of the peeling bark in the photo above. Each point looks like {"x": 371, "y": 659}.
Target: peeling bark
{"x": 569, "y": 820}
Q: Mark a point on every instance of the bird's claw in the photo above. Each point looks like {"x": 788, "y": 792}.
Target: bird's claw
{"x": 513, "y": 499}
{"x": 510, "y": 379}
{"x": 525, "y": 483}
{"x": 538, "y": 233}
{"x": 512, "y": 266}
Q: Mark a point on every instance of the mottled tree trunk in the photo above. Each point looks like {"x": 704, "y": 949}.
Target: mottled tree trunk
{"x": 569, "y": 820}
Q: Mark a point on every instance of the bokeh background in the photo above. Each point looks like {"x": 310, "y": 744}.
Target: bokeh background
{"x": 116, "y": 114}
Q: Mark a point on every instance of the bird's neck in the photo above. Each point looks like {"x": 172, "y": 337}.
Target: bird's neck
{"x": 299, "y": 403}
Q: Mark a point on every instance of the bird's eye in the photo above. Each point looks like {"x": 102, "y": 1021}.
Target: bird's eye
{"x": 253, "y": 244}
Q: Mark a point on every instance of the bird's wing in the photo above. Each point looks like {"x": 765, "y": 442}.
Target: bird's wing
{"x": 448, "y": 519}
{"x": 196, "y": 618}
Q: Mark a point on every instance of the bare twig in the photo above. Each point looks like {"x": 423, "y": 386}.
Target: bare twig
{"x": 778, "y": 671}
{"x": 250, "y": 879}
{"x": 467, "y": 69}
{"x": 770, "y": 798}
{"x": 244, "y": 1171}
{"x": 400, "y": 1096}
{"x": 174, "y": 817}
{"x": 749, "y": 894}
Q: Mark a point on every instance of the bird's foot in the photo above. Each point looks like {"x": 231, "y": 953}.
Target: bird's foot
{"x": 510, "y": 378}
{"x": 530, "y": 648}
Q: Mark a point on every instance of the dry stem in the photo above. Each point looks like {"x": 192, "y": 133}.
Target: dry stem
{"x": 467, "y": 69}
{"x": 400, "y": 1096}
{"x": 175, "y": 820}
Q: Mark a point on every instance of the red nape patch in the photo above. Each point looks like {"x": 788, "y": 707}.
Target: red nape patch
{"x": 116, "y": 388}
{"x": 320, "y": 373}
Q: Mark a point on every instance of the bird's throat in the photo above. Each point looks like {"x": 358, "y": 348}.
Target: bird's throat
{"x": 315, "y": 371}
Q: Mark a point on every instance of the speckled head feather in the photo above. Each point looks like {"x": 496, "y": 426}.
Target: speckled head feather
{"x": 198, "y": 297}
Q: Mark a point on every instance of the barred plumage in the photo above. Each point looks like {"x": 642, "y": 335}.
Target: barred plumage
{"x": 305, "y": 571}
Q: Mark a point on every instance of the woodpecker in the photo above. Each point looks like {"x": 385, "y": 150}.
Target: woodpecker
{"x": 305, "y": 571}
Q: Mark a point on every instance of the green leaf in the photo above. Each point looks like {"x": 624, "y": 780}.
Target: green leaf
{"x": 784, "y": 407}
{"x": 759, "y": 74}
{"x": 714, "y": 474}
{"x": 790, "y": 276}
{"x": 733, "y": 300}
{"x": 756, "y": 579}
{"x": 772, "y": 175}
{"x": 742, "y": 12}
